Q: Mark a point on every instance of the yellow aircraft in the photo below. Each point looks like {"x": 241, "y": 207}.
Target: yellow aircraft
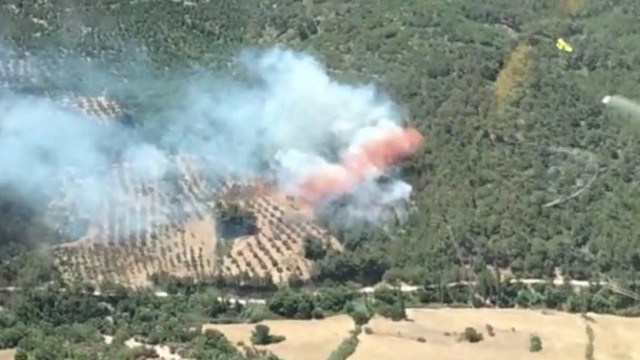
{"x": 563, "y": 45}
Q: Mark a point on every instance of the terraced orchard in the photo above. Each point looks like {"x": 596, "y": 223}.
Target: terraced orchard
{"x": 101, "y": 108}
{"x": 147, "y": 231}
{"x": 172, "y": 225}
{"x": 276, "y": 248}
{"x": 138, "y": 227}
{"x": 142, "y": 228}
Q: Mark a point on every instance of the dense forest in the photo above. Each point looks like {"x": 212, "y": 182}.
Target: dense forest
{"x": 524, "y": 169}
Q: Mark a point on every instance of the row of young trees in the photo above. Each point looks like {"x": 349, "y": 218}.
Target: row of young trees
{"x": 484, "y": 291}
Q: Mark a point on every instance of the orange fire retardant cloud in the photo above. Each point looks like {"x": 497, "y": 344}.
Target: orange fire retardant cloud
{"x": 375, "y": 155}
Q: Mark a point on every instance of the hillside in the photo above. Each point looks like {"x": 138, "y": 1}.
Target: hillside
{"x": 512, "y": 123}
{"x": 196, "y": 244}
{"x": 525, "y": 175}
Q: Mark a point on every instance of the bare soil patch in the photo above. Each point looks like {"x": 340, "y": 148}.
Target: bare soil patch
{"x": 7, "y": 354}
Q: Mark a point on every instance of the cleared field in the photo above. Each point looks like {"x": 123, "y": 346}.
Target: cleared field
{"x": 7, "y": 354}
{"x": 563, "y": 336}
{"x": 305, "y": 340}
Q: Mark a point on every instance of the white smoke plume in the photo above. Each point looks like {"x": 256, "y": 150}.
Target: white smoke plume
{"x": 286, "y": 109}
{"x": 623, "y": 104}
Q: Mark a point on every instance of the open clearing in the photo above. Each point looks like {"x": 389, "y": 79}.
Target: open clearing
{"x": 563, "y": 336}
{"x": 308, "y": 340}
{"x": 7, "y": 354}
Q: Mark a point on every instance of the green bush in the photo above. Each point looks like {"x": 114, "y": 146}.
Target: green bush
{"x": 345, "y": 349}
{"x": 261, "y": 336}
{"x": 535, "y": 343}
{"x": 20, "y": 355}
{"x": 317, "y": 314}
{"x": 471, "y": 335}
{"x": 360, "y": 317}
{"x": 314, "y": 248}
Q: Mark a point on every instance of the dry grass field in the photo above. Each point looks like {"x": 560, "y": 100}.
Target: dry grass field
{"x": 305, "y": 340}
{"x": 563, "y": 336}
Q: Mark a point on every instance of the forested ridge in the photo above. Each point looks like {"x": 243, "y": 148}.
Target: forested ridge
{"x": 514, "y": 129}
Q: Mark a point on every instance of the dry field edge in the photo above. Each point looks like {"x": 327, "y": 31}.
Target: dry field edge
{"x": 435, "y": 333}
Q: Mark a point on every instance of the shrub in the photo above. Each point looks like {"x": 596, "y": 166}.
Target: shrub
{"x": 420, "y": 339}
{"x": 590, "y": 348}
{"x": 535, "y": 343}
{"x": 398, "y": 313}
{"x": 360, "y": 317}
{"x": 346, "y": 348}
{"x": 20, "y": 355}
{"x": 490, "y": 330}
{"x": 313, "y": 248}
{"x": 471, "y": 335}
{"x": 261, "y": 336}
{"x": 368, "y": 330}
{"x": 317, "y": 314}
